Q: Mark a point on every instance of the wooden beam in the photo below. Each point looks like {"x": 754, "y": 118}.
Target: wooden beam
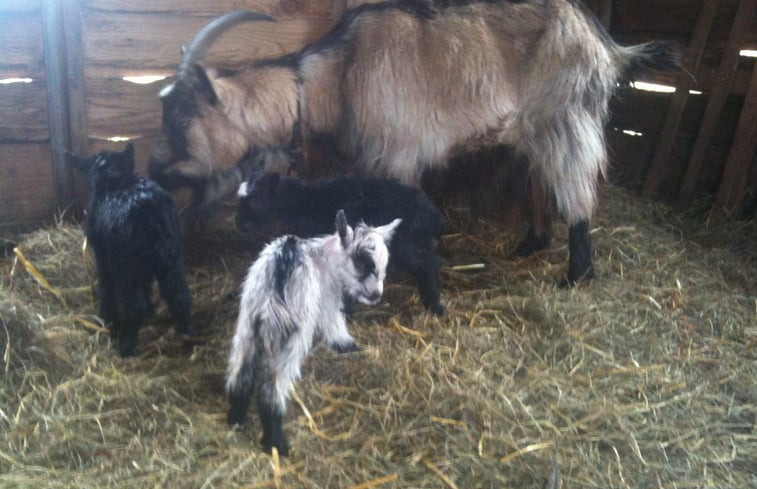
{"x": 736, "y": 174}
{"x": 716, "y": 102}
{"x": 690, "y": 64}
{"x": 52, "y": 20}
{"x": 74, "y": 69}
{"x": 76, "y": 101}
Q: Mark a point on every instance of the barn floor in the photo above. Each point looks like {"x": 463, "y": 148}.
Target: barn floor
{"x": 645, "y": 376}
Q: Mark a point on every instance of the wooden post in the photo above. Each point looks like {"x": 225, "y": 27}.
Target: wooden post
{"x": 52, "y": 21}
{"x": 716, "y": 102}
{"x": 690, "y": 66}
{"x": 78, "y": 134}
{"x": 736, "y": 173}
{"x": 76, "y": 93}
{"x": 64, "y": 63}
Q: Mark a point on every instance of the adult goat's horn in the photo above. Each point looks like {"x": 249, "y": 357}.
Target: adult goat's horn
{"x": 199, "y": 45}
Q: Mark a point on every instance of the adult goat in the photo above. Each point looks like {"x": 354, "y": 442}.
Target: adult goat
{"x": 403, "y": 87}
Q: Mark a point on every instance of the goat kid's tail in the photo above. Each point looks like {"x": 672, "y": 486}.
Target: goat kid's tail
{"x": 648, "y": 56}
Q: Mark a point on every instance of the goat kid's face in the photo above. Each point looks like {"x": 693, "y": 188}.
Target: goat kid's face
{"x": 257, "y": 201}
{"x": 196, "y": 134}
{"x": 106, "y": 166}
{"x": 367, "y": 257}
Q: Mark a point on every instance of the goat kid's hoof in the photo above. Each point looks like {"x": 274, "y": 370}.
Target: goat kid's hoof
{"x": 282, "y": 446}
{"x": 435, "y": 307}
{"x": 532, "y": 244}
{"x": 128, "y": 351}
{"x": 193, "y": 339}
{"x": 572, "y": 279}
{"x": 240, "y": 419}
{"x": 351, "y": 347}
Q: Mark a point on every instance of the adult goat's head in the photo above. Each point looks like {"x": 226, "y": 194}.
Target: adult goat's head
{"x": 196, "y": 131}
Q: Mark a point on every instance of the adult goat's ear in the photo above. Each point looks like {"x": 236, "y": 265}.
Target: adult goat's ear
{"x": 387, "y": 231}
{"x": 204, "y": 86}
{"x": 343, "y": 229}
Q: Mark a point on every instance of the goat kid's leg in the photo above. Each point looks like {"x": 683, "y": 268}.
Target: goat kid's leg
{"x": 107, "y": 296}
{"x": 336, "y": 335}
{"x": 428, "y": 283}
{"x": 424, "y": 266}
{"x": 132, "y": 312}
{"x": 175, "y": 291}
{"x": 239, "y": 389}
{"x": 147, "y": 293}
{"x": 239, "y": 402}
{"x": 272, "y": 397}
{"x": 271, "y": 417}
{"x": 580, "y": 263}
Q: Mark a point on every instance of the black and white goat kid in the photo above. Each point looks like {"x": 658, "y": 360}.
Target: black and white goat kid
{"x": 133, "y": 227}
{"x": 294, "y": 293}
{"x": 306, "y": 208}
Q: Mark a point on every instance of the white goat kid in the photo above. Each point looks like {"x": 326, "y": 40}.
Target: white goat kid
{"x": 295, "y": 292}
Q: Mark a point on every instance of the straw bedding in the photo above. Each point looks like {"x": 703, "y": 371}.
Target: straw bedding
{"x": 643, "y": 377}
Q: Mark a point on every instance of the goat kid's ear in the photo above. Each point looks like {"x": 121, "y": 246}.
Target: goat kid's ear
{"x": 81, "y": 164}
{"x": 266, "y": 181}
{"x": 129, "y": 150}
{"x": 204, "y": 86}
{"x": 387, "y": 230}
{"x": 343, "y": 229}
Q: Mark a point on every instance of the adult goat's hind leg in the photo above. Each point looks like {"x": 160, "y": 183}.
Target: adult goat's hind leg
{"x": 570, "y": 156}
{"x": 536, "y": 208}
{"x": 580, "y": 265}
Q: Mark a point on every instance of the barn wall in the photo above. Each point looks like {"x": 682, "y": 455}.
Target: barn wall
{"x": 118, "y": 38}
{"x": 644, "y": 112}
{"x": 25, "y": 174}
{"x": 109, "y": 39}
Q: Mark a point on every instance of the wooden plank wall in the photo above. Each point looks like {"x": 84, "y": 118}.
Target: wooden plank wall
{"x": 119, "y": 38}
{"x": 26, "y": 180}
{"x": 143, "y": 37}
{"x": 644, "y": 112}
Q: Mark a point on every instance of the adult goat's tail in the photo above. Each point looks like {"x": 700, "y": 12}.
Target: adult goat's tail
{"x": 646, "y": 57}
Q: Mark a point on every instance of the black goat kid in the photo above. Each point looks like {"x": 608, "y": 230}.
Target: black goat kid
{"x": 133, "y": 227}
{"x": 307, "y": 208}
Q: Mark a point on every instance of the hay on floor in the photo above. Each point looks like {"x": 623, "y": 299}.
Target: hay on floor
{"x": 643, "y": 377}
